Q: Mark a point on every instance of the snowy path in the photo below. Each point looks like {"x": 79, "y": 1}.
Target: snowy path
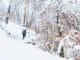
{"x": 17, "y": 50}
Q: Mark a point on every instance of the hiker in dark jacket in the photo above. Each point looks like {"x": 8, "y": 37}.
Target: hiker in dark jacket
{"x": 24, "y": 33}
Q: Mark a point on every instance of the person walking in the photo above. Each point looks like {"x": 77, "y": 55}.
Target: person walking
{"x": 24, "y": 33}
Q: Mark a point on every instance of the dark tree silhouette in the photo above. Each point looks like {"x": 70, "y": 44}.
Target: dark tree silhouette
{"x": 61, "y": 52}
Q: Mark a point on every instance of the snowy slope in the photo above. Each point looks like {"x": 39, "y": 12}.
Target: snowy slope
{"x": 16, "y": 31}
{"x": 11, "y": 49}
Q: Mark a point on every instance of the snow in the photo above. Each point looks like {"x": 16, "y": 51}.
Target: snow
{"x": 11, "y": 49}
{"x": 71, "y": 48}
{"x": 16, "y": 31}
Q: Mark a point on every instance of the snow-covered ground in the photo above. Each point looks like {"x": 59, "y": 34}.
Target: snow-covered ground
{"x": 11, "y": 49}
{"x": 16, "y": 31}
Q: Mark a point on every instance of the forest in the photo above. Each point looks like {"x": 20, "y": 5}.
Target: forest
{"x": 56, "y": 24}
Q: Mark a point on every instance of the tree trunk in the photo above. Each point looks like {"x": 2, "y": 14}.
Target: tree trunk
{"x": 7, "y": 18}
{"x": 24, "y": 21}
{"x": 61, "y": 52}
